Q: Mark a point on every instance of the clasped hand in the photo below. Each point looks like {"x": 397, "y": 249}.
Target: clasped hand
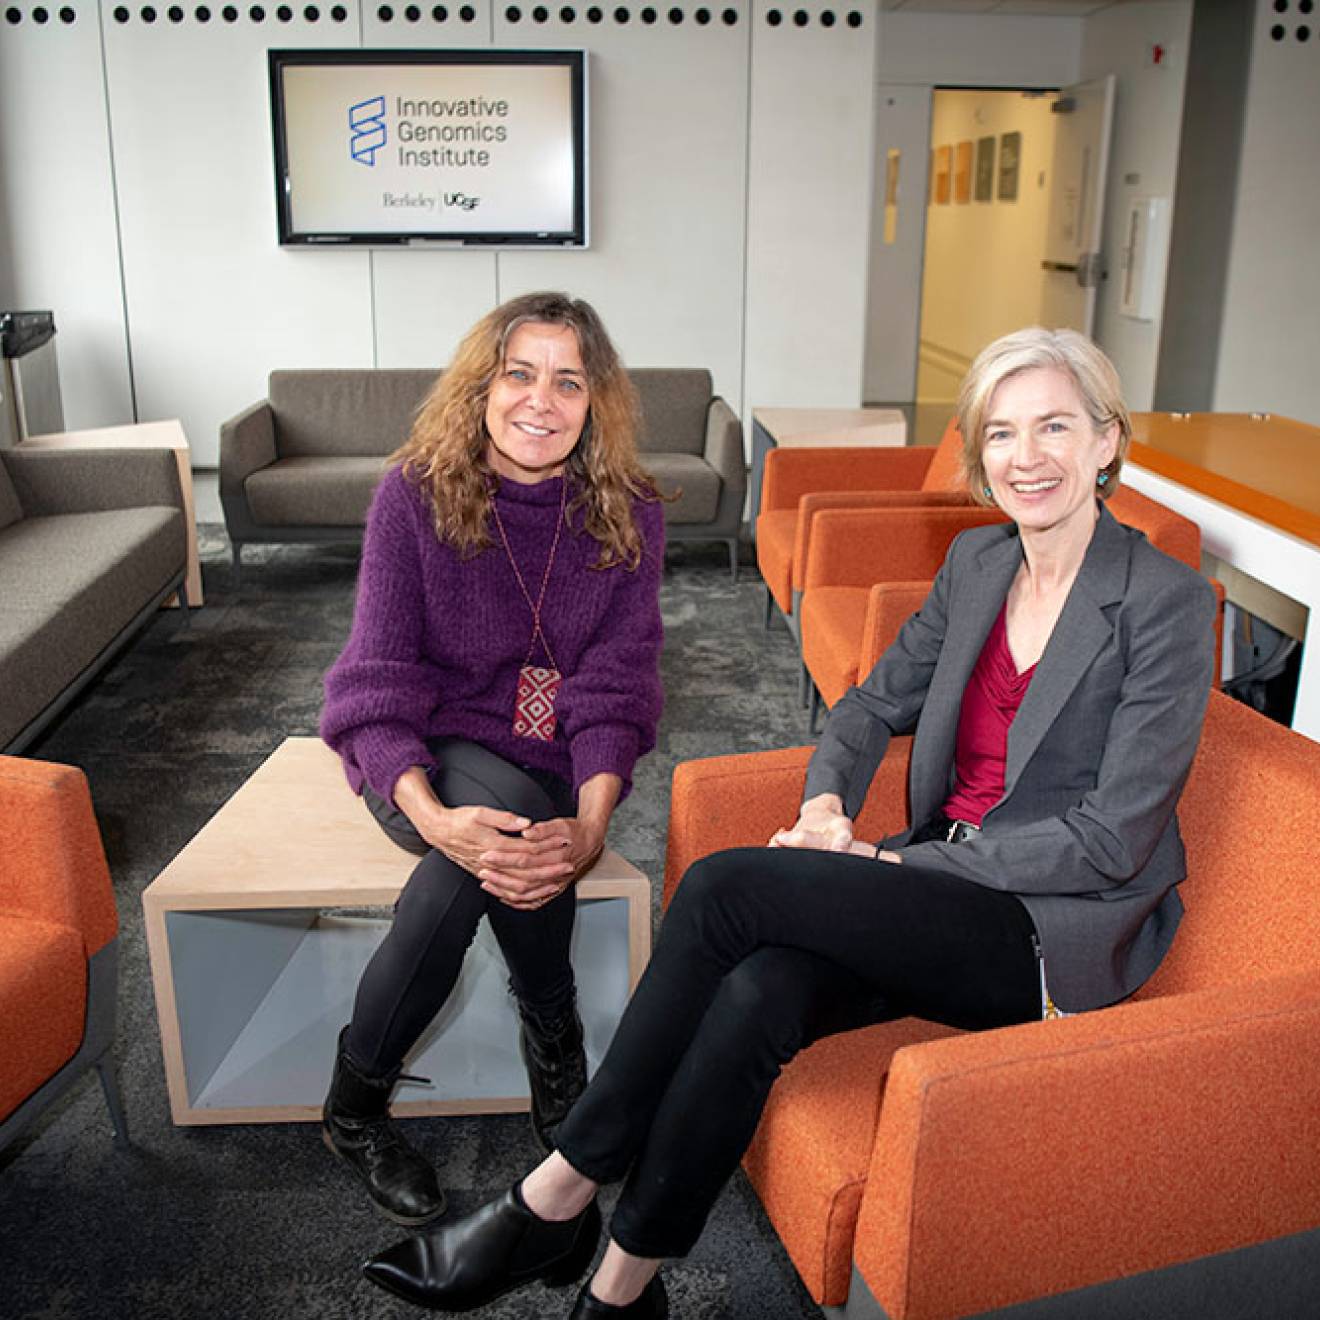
{"x": 822, "y": 825}
{"x": 522, "y": 864}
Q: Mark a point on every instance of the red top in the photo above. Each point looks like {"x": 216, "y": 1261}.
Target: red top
{"x": 989, "y": 704}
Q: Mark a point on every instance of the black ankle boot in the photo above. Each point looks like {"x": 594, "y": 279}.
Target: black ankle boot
{"x": 653, "y": 1304}
{"x": 356, "y": 1126}
{"x": 488, "y": 1253}
{"x": 556, "y": 1068}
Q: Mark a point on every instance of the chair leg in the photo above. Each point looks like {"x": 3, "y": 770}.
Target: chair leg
{"x": 184, "y": 605}
{"x": 769, "y": 608}
{"x": 236, "y": 548}
{"x": 813, "y": 710}
{"x": 105, "y": 1070}
{"x": 805, "y": 686}
{"x": 733, "y": 557}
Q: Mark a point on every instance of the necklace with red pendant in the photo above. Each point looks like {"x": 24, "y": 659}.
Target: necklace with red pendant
{"x": 538, "y": 685}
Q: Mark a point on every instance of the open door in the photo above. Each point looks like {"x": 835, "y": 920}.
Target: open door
{"x": 1074, "y": 251}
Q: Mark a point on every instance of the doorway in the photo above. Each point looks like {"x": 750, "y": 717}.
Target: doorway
{"x": 986, "y": 219}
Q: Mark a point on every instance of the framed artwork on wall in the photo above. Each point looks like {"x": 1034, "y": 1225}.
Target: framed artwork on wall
{"x": 985, "y": 169}
{"x": 1010, "y": 157}
{"x": 943, "y": 165}
{"x": 962, "y": 172}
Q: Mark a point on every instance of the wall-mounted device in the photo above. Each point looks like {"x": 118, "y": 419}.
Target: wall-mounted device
{"x": 1144, "y": 257}
{"x": 420, "y": 147}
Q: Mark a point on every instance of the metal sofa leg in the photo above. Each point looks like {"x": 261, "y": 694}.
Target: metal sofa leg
{"x": 185, "y": 605}
{"x": 813, "y": 710}
{"x": 733, "y": 557}
{"x": 105, "y": 1070}
{"x": 236, "y": 549}
{"x": 769, "y": 608}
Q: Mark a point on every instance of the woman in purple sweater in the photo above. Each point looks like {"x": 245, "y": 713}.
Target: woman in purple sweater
{"x": 500, "y": 680}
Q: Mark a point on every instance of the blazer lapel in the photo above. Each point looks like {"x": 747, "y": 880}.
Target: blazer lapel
{"x": 1082, "y": 630}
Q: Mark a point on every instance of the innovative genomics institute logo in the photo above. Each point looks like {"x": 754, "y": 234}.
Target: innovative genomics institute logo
{"x": 366, "y": 130}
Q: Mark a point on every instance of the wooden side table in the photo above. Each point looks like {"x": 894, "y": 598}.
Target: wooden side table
{"x": 143, "y": 435}
{"x": 258, "y": 932}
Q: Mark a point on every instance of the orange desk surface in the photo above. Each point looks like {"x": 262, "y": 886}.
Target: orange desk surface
{"x": 1265, "y": 466}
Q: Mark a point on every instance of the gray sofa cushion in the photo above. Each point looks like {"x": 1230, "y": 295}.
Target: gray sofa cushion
{"x": 10, "y": 509}
{"x": 70, "y": 584}
{"x": 345, "y": 412}
{"x": 674, "y": 401}
{"x": 699, "y": 483}
{"x": 313, "y": 492}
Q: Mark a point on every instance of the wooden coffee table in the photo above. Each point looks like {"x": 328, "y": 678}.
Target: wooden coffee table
{"x": 259, "y": 930}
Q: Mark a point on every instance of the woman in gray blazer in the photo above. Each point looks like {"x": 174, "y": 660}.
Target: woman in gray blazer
{"x": 1055, "y": 679}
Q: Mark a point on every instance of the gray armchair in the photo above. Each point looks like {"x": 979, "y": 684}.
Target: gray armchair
{"x": 692, "y": 443}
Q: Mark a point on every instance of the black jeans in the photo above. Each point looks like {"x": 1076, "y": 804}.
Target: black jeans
{"x": 435, "y": 919}
{"x": 762, "y": 952}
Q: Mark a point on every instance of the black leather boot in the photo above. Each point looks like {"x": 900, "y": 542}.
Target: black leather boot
{"x": 490, "y": 1252}
{"x": 356, "y": 1126}
{"x": 653, "y": 1304}
{"x": 556, "y": 1068}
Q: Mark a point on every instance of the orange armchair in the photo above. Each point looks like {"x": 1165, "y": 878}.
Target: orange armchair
{"x": 798, "y": 482}
{"x": 921, "y": 1174}
{"x": 864, "y": 567}
{"x": 58, "y": 944}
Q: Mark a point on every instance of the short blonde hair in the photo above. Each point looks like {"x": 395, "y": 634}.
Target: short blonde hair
{"x": 446, "y": 452}
{"x": 1025, "y": 350}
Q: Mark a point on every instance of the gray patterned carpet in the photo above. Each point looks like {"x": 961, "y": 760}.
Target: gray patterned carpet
{"x": 256, "y": 1222}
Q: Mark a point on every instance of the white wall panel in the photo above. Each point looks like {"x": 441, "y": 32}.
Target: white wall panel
{"x": 57, "y": 200}
{"x": 668, "y": 142}
{"x": 425, "y": 301}
{"x": 213, "y": 302}
{"x": 1143, "y": 160}
{"x": 1271, "y": 323}
{"x": 809, "y": 206}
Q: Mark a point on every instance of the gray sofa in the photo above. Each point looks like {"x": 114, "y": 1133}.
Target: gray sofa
{"x": 301, "y": 464}
{"x": 91, "y": 543}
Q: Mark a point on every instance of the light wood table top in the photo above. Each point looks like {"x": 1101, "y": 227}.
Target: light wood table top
{"x": 1265, "y": 466}
{"x": 807, "y": 427}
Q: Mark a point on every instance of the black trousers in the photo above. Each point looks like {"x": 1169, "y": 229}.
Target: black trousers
{"x": 435, "y": 919}
{"x": 762, "y": 952}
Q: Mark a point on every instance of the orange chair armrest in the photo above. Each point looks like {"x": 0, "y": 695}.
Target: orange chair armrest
{"x": 888, "y": 608}
{"x": 739, "y": 801}
{"x": 1034, "y": 1160}
{"x": 860, "y": 547}
{"x": 52, "y": 864}
{"x": 789, "y": 474}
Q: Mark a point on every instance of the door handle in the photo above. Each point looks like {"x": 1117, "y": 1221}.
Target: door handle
{"x": 1067, "y": 267}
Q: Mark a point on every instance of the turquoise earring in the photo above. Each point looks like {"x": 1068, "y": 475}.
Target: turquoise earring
{"x": 988, "y": 495}
{"x": 1102, "y": 479}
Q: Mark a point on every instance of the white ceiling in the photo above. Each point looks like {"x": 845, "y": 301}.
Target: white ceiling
{"x": 1057, "y": 8}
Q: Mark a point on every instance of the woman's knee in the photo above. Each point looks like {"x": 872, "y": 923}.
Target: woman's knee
{"x": 763, "y": 1010}
{"x": 438, "y": 893}
{"x": 711, "y": 880}
{"x": 469, "y": 775}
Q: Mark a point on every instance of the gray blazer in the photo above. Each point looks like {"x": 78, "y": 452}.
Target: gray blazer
{"x": 1085, "y": 834}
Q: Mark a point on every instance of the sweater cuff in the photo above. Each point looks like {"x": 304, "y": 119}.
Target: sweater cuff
{"x": 383, "y": 752}
{"x": 605, "y": 749}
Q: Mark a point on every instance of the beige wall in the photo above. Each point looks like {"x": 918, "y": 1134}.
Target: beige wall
{"x": 982, "y": 272}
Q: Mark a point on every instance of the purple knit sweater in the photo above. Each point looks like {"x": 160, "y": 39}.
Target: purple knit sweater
{"x": 437, "y": 641}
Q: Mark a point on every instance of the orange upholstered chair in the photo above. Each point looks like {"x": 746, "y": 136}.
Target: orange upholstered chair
{"x": 58, "y": 951}
{"x": 798, "y": 482}
{"x": 920, "y": 1173}
{"x": 848, "y": 612}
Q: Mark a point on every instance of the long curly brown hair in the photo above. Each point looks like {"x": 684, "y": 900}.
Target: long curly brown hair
{"x": 446, "y": 450}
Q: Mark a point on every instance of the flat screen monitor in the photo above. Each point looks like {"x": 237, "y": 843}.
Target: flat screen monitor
{"x": 457, "y": 147}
